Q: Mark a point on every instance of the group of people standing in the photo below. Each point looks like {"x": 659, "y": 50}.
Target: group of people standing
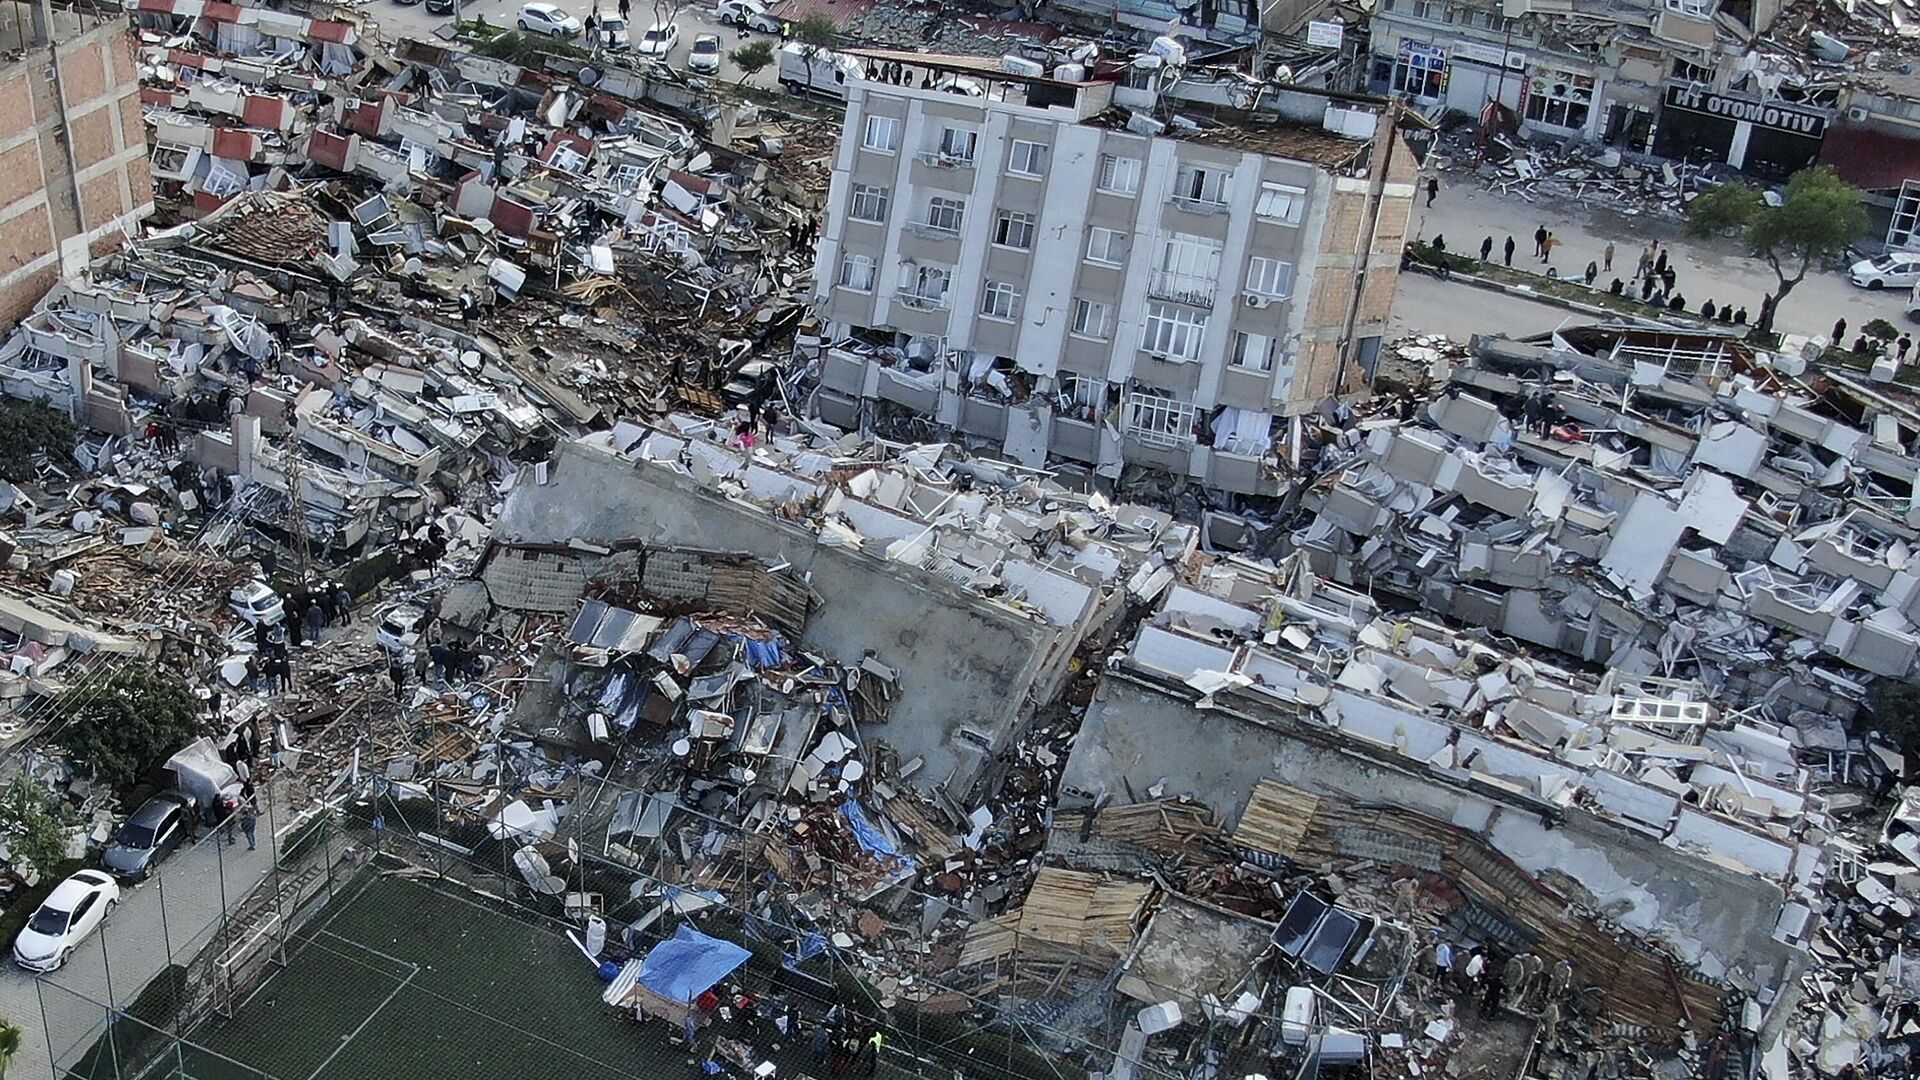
{"x": 1521, "y": 981}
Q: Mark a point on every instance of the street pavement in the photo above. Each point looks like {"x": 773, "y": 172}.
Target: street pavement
{"x": 398, "y": 21}
{"x": 168, "y": 917}
{"x": 1426, "y": 305}
{"x": 1716, "y": 269}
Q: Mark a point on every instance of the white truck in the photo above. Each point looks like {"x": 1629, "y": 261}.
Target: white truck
{"x": 806, "y": 69}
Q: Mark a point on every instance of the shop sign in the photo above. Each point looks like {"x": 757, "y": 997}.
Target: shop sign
{"x": 1762, "y": 114}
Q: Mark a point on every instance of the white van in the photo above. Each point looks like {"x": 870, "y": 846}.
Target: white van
{"x": 825, "y": 73}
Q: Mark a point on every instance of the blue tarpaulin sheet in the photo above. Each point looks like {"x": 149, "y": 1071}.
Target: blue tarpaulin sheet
{"x": 762, "y": 655}
{"x": 870, "y": 839}
{"x": 686, "y": 965}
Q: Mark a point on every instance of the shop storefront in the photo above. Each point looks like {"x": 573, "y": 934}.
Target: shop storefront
{"x": 1763, "y": 139}
{"x": 1560, "y": 102}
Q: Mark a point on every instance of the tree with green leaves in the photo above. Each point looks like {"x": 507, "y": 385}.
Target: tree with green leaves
{"x": 117, "y": 724}
{"x": 28, "y": 428}
{"x": 10, "y": 1040}
{"x": 814, "y": 32}
{"x": 752, "y": 58}
{"x": 35, "y": 823}
{"x": 1818, "y": 216}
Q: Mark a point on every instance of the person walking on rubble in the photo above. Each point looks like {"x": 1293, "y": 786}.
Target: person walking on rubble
{"x": 397, "y": 674}
{"x": 1561, "y": 980}
{"x": 1514, "y": 976}
{"x": 249, "y": 816}
{"x": 343, "y": 605}
{"x": 1509, "y": 251}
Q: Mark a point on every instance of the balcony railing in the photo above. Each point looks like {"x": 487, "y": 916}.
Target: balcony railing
{"x": 941, "y": 159}
{"x": 1189, "y": 289}
{"x": 922, "y": 302}
{"x": 1198, "y": 206}
{"x": 930, "y": 231}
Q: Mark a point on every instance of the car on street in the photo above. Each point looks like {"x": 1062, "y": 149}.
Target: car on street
{"x": 548, "y": 19}
{"x": 1898, "y": 269}
{"x": 257, "y": 603}
{"x": 75, "y": 908}
{"x": 400, "y": 628}
{"x": 440, "y": 7}
{"x": 616, "y": 35}
{"x": 406, "y": 3}
{"x": 747, "y": 15}
{"x": 151, "y": 834}
{"x": 704, "y": 57}
{"x": 658, "y": 40}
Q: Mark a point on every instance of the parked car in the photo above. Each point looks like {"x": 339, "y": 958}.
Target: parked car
{"x": 704, "y": 56}
{"x": 821, "y": 72}
{"x": 747, "y": 15}
{"x": 548, "y": 19}
{"x": 408, "y": 3}
{"x": 615, "y": 34}
{"x": 400, "y": 629}
{"x": 1896, "y": 268}
{"x": 75, "y": 908}
{"x": 440, "y": 7}
{"x": 257, "y": 603}
{"x": 150, "y": 835}
{"x": 659, "y": 40}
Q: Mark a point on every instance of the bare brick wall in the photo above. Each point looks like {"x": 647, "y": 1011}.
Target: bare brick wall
{"x": 102, "y": 198}
{"x": 92, "y": 135}
{"x": 83, "y": 73}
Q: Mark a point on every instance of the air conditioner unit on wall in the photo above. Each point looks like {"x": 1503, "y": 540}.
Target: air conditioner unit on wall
{"x": 1856, "y": 113}
{"x": 1255, "y": 300}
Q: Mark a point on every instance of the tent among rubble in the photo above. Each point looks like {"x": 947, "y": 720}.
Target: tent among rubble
{"x": 666, "y": 982}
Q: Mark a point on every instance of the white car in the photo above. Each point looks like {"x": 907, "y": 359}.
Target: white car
{"x": 615, "y": 34}
{"x": 1895, "y": 268}
{"x": 659, "y": 40}
{"x": 747, "y": 15}
{"x": 704, "y": 57}
{"x": 400, "y": 629}
{"x": 73, "y": 910}
{"x": 548, "y": 19}
{"x": 257, "y": 604}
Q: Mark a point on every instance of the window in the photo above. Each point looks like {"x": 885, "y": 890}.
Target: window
{"x": 1107, "y": 246}
{"x": 1173, "y": 332}
{"x": 856, "y": 273}
{"x": 1270, "y": 277}
{"x": 1014, "y": 230}
{"x": 1698, "y": 9}
{"x": 927, "y": 286}
{"x": 627, "y": 177}
{"x": 1280, "y": 203}
{"x": 869, "y": 203}
{"x": 883, "y": 134}
{"x": 1253, "y": 351}
{"x": 1420, "y": 74}
{"x": 956, "y": 144}
{"x": 1081, "y": 397}
{"x": 1119, "y": 175}
{"x": 1189, "y": 270}
{"x": 1559, "y": 98}
{"x": 946, "y": 214}
{"x": 1029, "y": 158}
{"x": 1000, "y": 300}
{"x": 1092, "y": 319}
{"x": 1154, "y": 414}
{"x": 1691, "y": 72}
{"x": 1200, "y": 186}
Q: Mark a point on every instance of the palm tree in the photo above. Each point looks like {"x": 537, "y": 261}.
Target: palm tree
{"x": 9, "y": 1044}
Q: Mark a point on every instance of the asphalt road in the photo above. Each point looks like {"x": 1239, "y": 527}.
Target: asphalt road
{"x": 1426, "y": 305}
{"x": 399, "y": 21}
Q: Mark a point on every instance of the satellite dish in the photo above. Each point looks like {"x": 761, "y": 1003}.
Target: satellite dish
{"x": 588, "y": 76}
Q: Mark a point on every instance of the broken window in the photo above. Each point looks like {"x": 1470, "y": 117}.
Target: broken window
{"x": 927, "y": 285}
{"x": 1092, "y": 319}
{"x": 1106, "y": 246}
{"x": 856, "y": 273}
{"x": 1420, "y": 73}
{"x": 1014, "y": 230}
{"x": 869, "y": 203}
{"x": 1028, "y": 159}
{"x": 883, "y": 134}
{"x": 1697, "y": 9}
{"x": 1173, "y": 332}
{"x": 170, "y": 159}
{"x": 1082, "y": 396}
{"x": 1189, "y": 270}
{"x": 1270, "y": 277}
{"x": 1559, "y": 98}
{"x": 1280, "y": 203}
{"x": 1253, "y": 352}
{"x": 1000, "y": 300}
{"x": 946, "y": 214}
{"x": 1119, "y": 175}
{"x": 627, "y": 177}
{"x": 1153, "y": 413}
{"x": 1201, "y": 186}
{"x": 957, "y": 144}
{"x": 222, "y": 181}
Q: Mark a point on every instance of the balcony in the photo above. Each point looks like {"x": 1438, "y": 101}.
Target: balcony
{"x": 923, "y": 303}
{"x": 940, "y": 159}
{"x": 927, "y": 230}
{"x": 1190, "y": 289}
{"x": 1198, "y": 206}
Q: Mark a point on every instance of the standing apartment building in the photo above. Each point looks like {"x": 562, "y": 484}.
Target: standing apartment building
{"x": 1031, "y": 262}
{"x": 73, "y": 152}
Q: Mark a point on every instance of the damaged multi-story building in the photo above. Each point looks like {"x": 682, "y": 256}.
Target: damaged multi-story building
{"x": 1038, "y": 262}
{"x": 1678, "y": 80}
{"x": 73, "y": 152}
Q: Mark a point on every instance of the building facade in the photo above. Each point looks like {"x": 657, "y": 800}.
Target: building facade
{"x": 1672, "y": 79}
{"x": 1029, "y": 265}
{"x": 73, "y": 159}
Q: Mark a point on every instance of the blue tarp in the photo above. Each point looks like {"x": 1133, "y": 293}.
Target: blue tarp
{"x": 688, "y": 964}
{"x": 871, "y": 839}
{"x": 762, "y": 655}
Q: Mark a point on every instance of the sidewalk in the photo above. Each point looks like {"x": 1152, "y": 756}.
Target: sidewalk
{"x": 1715, "y": 270}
